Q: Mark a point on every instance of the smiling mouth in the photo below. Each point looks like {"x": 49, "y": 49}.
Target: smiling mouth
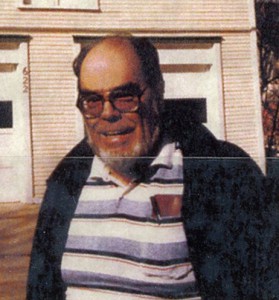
{"x": 117, "y": 132}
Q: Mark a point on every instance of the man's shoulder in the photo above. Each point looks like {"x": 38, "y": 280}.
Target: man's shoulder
{"x": 82, "y": 149}
{"x": 198, "y": 141}
{"x": 200, "y": 146}
{"x": 74, "y": 168}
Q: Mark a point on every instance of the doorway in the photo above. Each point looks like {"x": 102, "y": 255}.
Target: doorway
{"x": 15, "y": 133}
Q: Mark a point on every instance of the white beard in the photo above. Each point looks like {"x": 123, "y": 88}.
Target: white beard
{"x": 125, "y": 162}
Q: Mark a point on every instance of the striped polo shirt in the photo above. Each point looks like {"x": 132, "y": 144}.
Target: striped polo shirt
{"x": 128, "y": 242}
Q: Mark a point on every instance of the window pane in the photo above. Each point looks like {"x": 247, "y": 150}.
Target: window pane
{"x": 6, "y": 114}
{"x": 193, "y": 110}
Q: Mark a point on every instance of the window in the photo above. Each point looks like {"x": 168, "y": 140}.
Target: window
{"x": 6, "y": 114}
{"x": 193, "y": 84}
{"x": 61, "y": 4}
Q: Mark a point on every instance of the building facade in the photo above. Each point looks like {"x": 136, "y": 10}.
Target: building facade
{"x": 208, "y": 54}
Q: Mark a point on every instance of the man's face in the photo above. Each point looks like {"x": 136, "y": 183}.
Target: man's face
{"x": 112, "y": 67}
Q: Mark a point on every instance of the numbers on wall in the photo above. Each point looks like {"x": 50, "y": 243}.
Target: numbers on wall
{"x": 25, "y": 80}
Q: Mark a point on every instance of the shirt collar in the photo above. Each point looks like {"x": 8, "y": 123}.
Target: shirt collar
{"x": 99, "y": 169}
{"x": 165, "y": 156}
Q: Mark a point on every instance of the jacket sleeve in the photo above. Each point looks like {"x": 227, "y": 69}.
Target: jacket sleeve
{"x": 58, "y": 206}
{"x": 260, "y": 202}
{"x": 44, "y": 281}
{"x": 231, "y": 222}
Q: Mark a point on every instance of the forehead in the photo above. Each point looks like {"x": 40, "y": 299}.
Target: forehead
{"x": 110, "y": 64}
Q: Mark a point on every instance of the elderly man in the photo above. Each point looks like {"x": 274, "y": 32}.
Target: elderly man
{"x": 147, "y": 206}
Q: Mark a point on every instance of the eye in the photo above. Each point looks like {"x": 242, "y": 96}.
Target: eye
{"x": 125, "y": 104}
{"x": 125, "y": 100}
{"x": 128, "y": 98}
{"x": 123, "y": 96}
{"x": 92, "y": 98}
{"x": 91, "y": 102}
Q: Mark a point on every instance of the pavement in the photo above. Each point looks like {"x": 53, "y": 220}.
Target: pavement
{"x": 17, "y": 225}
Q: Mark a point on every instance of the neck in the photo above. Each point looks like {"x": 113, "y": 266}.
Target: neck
{"x": 119, "y": 176}
{"x": 131, "y": 168}
{"x": 128, "y": 169}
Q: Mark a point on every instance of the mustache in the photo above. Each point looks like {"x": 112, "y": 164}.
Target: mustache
{"x": 106, "y": 128}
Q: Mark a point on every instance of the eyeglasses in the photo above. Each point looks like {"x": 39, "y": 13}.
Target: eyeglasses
{"x": 124, "y": 99}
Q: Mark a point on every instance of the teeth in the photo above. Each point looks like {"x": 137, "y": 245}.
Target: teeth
{"x": 113, "y": 133}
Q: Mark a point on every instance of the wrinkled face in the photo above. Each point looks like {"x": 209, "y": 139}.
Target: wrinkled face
{"x": 110, "y": 68}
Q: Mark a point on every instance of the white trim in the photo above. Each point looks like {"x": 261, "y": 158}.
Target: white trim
{"x": 6, "y": 131}
{"x": 91, "y": 5}
{"x": 15, "y": 154}
{"x": 219, "y": 123}
{"x": 80, "y": 131}
{"x": 258, "y": 106}
{"x": 252, "y": 13}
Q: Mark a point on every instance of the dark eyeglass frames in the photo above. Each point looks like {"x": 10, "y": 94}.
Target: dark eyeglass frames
{"x": 124, "y": 100}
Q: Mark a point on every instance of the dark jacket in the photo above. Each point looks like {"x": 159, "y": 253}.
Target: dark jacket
{"x": 231, "y": 226}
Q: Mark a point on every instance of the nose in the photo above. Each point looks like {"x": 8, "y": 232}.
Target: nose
{"x": 110, "y": 113}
